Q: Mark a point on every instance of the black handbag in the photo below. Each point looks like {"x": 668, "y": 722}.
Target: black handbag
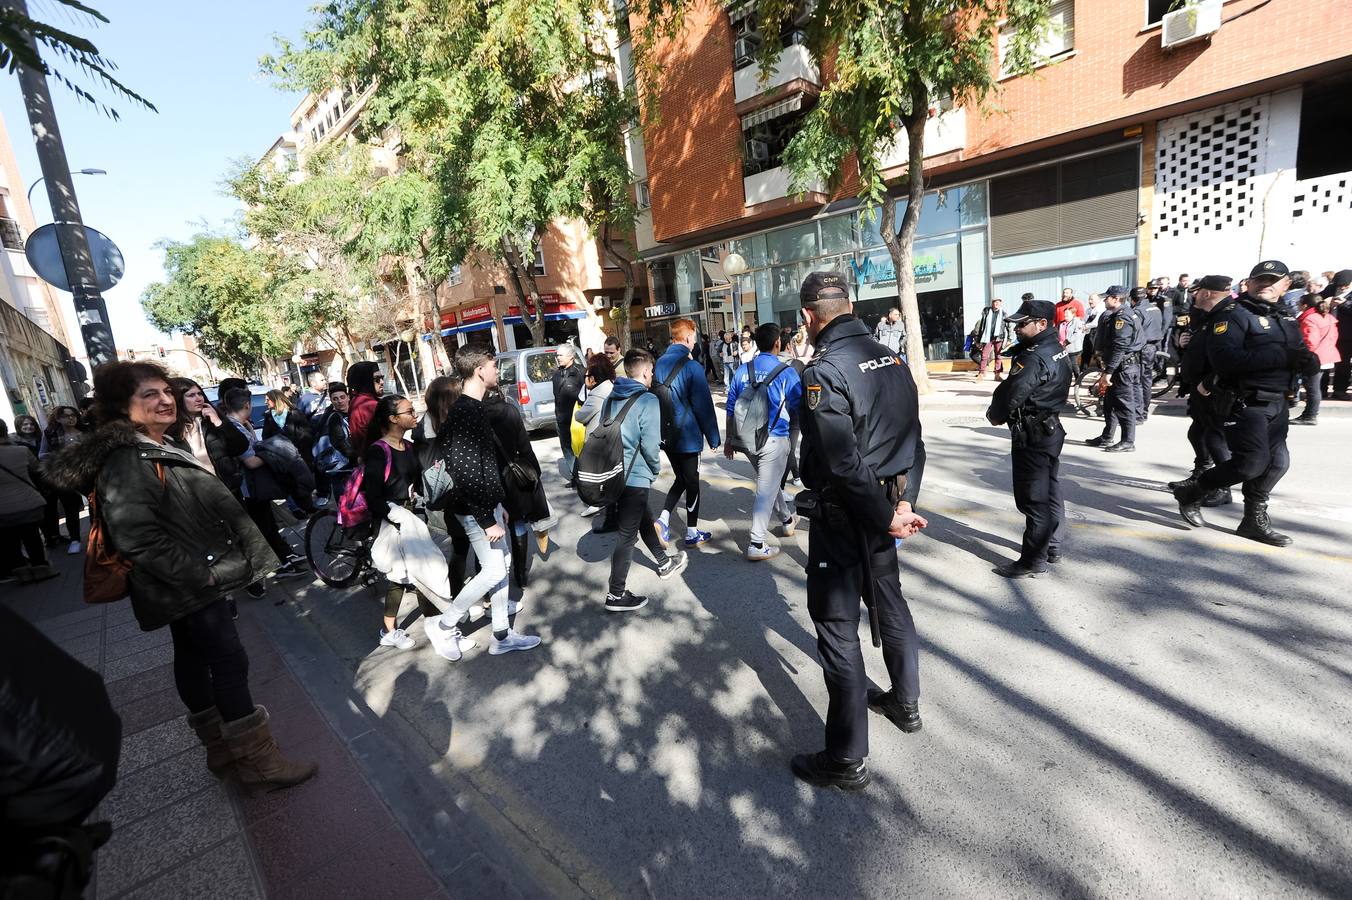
{"x": 515, "y": 475}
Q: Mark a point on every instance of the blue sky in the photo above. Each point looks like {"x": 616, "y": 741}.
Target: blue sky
{"x": 198, "y": 63}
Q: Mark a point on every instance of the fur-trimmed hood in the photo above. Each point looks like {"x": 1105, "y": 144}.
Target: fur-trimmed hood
{"x": 76, "y": 467}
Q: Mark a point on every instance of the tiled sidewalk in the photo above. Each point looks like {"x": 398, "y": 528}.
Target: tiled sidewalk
{"x": 178, "y": 832}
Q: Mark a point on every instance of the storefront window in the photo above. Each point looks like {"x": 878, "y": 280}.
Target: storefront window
{"x": 838, "y": 234}
{"x": 752, "y": 250}
{"x": 790, "y": 244}
{"x": 870, "y": 223}
{"x": 972, "y": 207}
{"x": 689, "y": 282}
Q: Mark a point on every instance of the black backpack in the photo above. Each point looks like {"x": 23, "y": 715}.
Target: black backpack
{"x": 600, "y": 472}
{"x": 668, "y": 406}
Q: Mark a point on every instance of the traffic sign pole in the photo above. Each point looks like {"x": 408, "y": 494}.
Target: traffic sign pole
{"x": 89, "y": 304}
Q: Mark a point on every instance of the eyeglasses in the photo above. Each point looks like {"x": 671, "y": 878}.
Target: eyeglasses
{"x": 403, "y": 412}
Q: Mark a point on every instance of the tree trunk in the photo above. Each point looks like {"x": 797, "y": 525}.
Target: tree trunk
{"x": 902, "y": 245}
{"x": 523, "y": 290}
{"x": 608, "y": 245}
{"x": 424, "y": 293}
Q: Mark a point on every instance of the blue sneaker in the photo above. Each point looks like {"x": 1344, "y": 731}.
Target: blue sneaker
{"x": 663, "y": 532}
{"x": 699, "y": 538}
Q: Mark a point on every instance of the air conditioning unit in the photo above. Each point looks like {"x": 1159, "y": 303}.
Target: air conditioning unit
{"x": 757, "y": 151}
{"x": 1191, "y": 23}
{"x": 744, "y": 51}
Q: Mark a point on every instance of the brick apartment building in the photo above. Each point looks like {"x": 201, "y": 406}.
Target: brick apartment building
{"x": 1117, "y": 160}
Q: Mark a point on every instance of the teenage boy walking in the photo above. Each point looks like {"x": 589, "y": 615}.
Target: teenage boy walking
{"x": 696, "y": 422}
{"x": 641, "y": 433}
{"x": 783, "y": 394}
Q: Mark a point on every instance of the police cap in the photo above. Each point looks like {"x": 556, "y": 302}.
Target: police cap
{"x": 1272, "y": 267}
{"x": 1115, "y": 290}
{"x": 1343, "y": 278}
{"x": 1138, "y": 293}
{"x": 823, "y": 286}
{"x": 1214, "y": 283}
{"x": 1033, "y": 309}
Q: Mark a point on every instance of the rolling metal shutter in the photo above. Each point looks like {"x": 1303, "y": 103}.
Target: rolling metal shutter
{"x": 1073, "y": 202}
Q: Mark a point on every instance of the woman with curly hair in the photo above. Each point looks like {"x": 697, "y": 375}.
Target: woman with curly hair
{"x": 63, "y": 431}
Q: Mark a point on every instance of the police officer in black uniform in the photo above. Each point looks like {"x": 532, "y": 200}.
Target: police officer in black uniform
{"x": 862, "y": 461}
{"x": 1211, "y": 297}
{"x": 1255, "y": 356}
{"x": 1117, "y": 341}
{"x": 1152, "y": 341}
{"x": 1030, "y": 401}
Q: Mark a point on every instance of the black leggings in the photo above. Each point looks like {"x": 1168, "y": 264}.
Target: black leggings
{"x": 14, "y": 536}
{"x": 211, "y": 667}
{"x": 71, "y": 503}
{"x": 633, "y": 518}
{"x": 261, "y": 513}
{"x": 686, "y": 468}
{"x": 395, "y": 596}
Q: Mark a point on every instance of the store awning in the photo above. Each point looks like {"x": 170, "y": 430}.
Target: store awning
{"x": 773, "y": 111}
{"x": 473, "y": 326}
{"x": 549, "y": 317}
{"x": 714, "y": 273}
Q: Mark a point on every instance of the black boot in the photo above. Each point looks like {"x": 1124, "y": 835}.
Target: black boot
{"x": 1189, "y": 495}
{"x": 1219, "y": 497}
{"x": 905, "y": 716}
{"x": 822, "y": 770}
{"x": 520, "y": 553}
{"x": 1197, "y": 470}
{"x": 1256, "y": 526}
{"x": 1102, "y": 440}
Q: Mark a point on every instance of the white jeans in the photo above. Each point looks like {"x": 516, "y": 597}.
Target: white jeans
{"x": 769, "y": 463}
{"x": 495, "y": 559}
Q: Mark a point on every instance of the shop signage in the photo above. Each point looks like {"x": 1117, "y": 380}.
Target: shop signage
{"x": 553, "y": 304}
{"x": 44, "y": 400}
{"x": 935, "y": 266}
{"x": 475, "y": 313}
{"x": 659, "y": 310}
{"x": 448, "y": 320}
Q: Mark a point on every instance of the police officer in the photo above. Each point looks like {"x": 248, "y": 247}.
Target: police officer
{"x": 1117, "y": 342}
{"x": 1030, "y": 401}
{"x": 862, "y": 460}
{"x": 1211, "y": 297}
{"x": 1254, "y": 356}
{"x": 1152, "y": 340}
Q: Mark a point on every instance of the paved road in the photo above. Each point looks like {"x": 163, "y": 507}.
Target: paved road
{"x": 1168, "y": 715}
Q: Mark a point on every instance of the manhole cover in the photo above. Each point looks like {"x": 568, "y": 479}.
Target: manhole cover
{"x": 966, "y": 421}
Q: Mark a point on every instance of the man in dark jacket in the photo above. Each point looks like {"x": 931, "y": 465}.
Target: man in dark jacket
{"x": 1205, "y": 434}
{"x": 567, "y": 388}
{"x": 1118, "y": 341}
{"x": 1339, "y": 295}
{"x": 1030, "y": 402}
{"x": 259, "y": 489}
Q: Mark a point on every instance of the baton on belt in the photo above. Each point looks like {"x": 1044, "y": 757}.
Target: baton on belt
{"x": 870, "y": 599}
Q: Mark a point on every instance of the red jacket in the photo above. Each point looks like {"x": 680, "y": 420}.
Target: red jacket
{"x": 358, "y": 417}
{"x": 1321, "y": 334}
{"x": 1063, "y": 305}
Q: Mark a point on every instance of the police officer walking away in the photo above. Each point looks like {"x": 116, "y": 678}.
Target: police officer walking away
{"x": 1205, "y": 434}
{"x": 1030, "y": 401}
{"x": 1118, "y": 340}
{"x": 862, "y": 461}
{"x": 1255, "y": 356}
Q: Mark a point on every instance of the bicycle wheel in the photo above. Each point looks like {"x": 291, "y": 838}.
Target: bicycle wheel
{"x": 1165, "y": 376}
{"x": 336, "y": 556}
{"x": 1088, "y": 397}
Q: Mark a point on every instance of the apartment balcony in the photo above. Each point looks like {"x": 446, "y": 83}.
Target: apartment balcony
{"x": 773, "y": 184}
{"x": 10, "y": 234}
{"x": 943, "y": 134}
{"x": 795, "y": 63}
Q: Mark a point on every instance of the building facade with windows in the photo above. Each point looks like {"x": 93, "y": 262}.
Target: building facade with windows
{"x": 1145, "y": 143}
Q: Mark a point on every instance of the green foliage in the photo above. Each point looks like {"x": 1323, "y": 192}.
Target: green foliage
{"x": 217, "y": 291}
{"x": 16, "y": 31}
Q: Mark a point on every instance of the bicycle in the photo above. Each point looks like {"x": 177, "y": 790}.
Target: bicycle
{"x": 1089, "y": 391}
{"x": 338, "y": 556}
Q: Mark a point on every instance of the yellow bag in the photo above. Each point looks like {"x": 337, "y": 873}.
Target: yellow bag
{"x": 579, "y": 433}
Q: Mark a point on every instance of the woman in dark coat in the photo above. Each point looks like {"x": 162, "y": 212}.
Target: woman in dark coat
{"x": 201, "y": 428}
{"x": 188, "y": 542}
{"x": 526, "y": 507}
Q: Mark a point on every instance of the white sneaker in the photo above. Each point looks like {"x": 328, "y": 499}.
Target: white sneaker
{"x": 761, "y": 553}
{"x": 74, "y": 549}
{"x": 515, "y": 606}
{"x": 396, "y": 638}
{"x": 513, "y": 641}
{"x": 591, "y": 511}
{"x": 445, "y": 641}
{"x": 463, "y": 643}
{"x": 789, "y": 525}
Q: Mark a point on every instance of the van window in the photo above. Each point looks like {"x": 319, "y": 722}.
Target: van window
{"x": 540, "y": 367}
{"x": 507, "y": 371}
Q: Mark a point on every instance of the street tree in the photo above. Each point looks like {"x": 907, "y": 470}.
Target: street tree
{"x": 887, "y": 65}
{"x": 218, "y": 291}
{"x": 510, "y": 109}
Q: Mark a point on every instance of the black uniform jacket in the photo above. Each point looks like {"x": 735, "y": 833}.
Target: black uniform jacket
{"x": 1038, "y": 379}
{"x": 1252, "y": 346}
{"x": 1119, "y": 333}
{"x": 1194, "y": 366}
{"x": 861, "y": 422}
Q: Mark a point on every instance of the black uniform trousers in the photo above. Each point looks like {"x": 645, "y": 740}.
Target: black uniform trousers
{"x": 835, "y": 590}
{"x": 1119, "y": 407}
{"x": 1205, "y": 434}
{"x": 1256, "y": 436}
{"x": 1037, "y": 493}
{"x": 1147, "y": 382}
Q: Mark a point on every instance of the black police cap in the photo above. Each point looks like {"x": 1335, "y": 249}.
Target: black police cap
{"x": 1033, "y": 309}
{"x": 1273, "y": 267}
{"x": 1138, "y": 293}
{"x": 823, "y": 286}
{"x": 1214, "y": 283}
{"x": 1115, "y": 290}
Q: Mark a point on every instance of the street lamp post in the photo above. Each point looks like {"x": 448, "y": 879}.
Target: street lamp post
{"x": 76, "y": 172}
{"x": 734, "y": 264}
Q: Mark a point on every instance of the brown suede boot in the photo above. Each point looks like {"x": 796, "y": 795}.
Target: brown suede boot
{"x": 207, "y": 724}
{"x": 258, "y": 762}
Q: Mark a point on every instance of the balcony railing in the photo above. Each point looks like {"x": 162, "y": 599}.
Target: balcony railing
{"x": 10, "y": 234}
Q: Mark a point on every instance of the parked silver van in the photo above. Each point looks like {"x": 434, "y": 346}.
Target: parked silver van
{"x": 526, "y": 378}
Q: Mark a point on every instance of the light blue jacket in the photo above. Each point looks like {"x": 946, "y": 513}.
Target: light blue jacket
{"x": 641, "y": 430}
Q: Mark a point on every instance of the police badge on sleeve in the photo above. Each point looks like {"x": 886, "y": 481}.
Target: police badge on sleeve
{"x": 814, "y": 395}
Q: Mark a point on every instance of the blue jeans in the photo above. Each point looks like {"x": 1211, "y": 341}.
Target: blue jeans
{"x": 495, "y": 560}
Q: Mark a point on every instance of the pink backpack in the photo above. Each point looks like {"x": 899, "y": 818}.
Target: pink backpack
{"x": 352, "y": 509}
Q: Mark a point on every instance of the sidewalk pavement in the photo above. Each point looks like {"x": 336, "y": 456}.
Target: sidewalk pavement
{"x": 178, "y": 831}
